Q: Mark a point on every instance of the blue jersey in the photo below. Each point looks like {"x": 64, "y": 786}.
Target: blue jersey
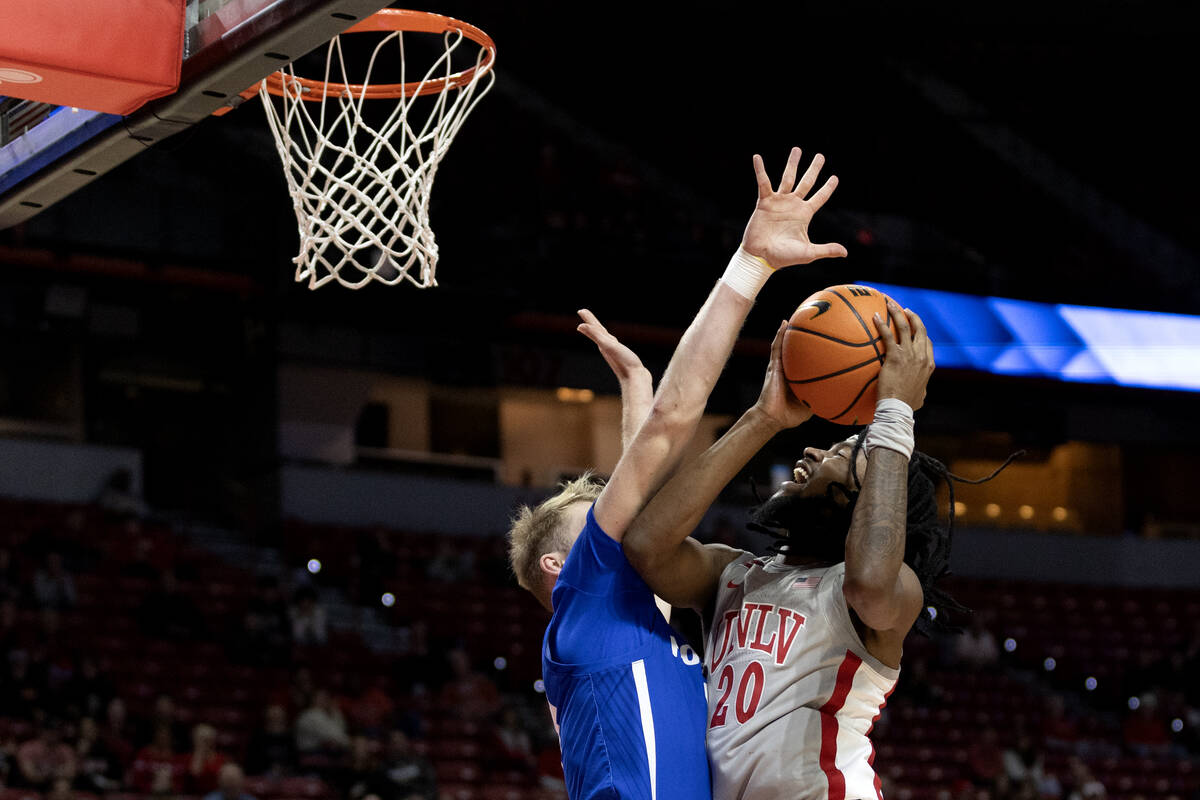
{"x": 626, "y": 690}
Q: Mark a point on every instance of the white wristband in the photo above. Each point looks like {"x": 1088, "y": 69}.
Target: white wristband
{"x": 892, "y": 428}
{"x": 746, "y": 274}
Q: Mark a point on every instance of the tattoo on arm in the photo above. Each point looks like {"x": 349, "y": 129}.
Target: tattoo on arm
{"x": 875, "y": 546}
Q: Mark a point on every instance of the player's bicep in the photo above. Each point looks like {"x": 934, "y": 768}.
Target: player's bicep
{"x": 689, "y": 579}
{"x": 898, "y": 610}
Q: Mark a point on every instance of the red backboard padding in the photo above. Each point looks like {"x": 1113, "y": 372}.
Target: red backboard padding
{"x": 111, "y": 57}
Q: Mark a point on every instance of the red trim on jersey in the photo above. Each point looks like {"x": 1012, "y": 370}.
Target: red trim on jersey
{"x": 871, "y": 758}
{"x": 829, "y": 726}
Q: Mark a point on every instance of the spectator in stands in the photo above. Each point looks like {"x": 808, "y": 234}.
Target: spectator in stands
{"x": 468, "y": 693}
{"x": 359, "y": 777}
{"x": 1084, "y": 785}
{"x": 168, "y": 612}
{"x": 1049, "y": 787}
{"x": 405, "y": 774}
{"x": 512, "y": 747}
{"x": 53, "y": 585}
{"x": 976, "y": 647}
{"x": 309, "y": 626}
{"x": 272, "y": 747}
{"x": 116, "y": 732}
{"x": 204, "y": 762}
{"x": 46, "y": 757}
{"x": 231, "y": 784}
{"x": 371, "y": 711}
{"x": 156, "y": 768}
{"x": 60, "y": 789}
{"x": 985, "y": 758}
{"x": 321, "y": 728}
{"x": 99, "y": 770}
{"x": 163, "y": 716}
{"x": 1023, "y": 760}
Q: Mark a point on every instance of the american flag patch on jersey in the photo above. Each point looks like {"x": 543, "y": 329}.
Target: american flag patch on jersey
{"x": 809, "y": 582}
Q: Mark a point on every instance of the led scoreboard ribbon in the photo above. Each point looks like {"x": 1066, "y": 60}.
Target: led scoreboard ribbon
{"x": 1070, "y": 343}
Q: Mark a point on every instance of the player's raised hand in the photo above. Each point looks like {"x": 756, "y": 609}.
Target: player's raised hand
{"x": 908, "y": 356}
{"x": 778, "y": 228}
{"x": 624, "y": 363}
{"x": 776, "y": 400}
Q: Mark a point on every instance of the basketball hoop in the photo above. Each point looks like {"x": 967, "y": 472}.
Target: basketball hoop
{"x": 361, "y": 190}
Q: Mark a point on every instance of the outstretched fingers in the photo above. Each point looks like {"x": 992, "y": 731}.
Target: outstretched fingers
{"x": 789, "y": 171}
{"x": 809, "y": 179}
{"x": 591, "y": 327}
{"x": 760, "y": 173}
{"x": 828, "y": 250}
{"x": 824, "y": 193}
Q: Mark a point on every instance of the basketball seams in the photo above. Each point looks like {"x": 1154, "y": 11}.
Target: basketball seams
{"x": 842, "y": 371}
{"x": 831, "y": 347}
{"x": 857, "y": 316}
{"x": 833, "y": 339}
{"x": 854, "y": 402}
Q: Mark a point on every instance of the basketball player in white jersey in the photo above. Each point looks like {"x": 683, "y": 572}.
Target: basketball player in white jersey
{"x": 627, "y": 696}
{"x": 802, "y": 648}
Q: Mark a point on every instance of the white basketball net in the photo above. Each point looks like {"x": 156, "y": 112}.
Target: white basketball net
{"x": 361, "y": 193}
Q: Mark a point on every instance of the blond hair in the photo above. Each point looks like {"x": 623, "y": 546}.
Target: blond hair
{"x": 539, "y": 530}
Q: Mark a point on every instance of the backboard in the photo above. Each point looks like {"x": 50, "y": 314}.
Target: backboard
{"x": 47, "y": 152}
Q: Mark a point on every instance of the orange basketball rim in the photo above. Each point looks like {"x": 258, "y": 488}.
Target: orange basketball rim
{"x": 392, "y": 20}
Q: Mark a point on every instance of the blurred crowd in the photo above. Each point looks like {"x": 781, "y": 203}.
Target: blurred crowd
{"x": 433, "y": 715}
{"x": 68, "y": 728}
{"x": 1048, "y": 754}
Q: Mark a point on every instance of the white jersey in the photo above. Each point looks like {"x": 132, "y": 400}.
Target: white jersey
{"x": 792, "y": 691}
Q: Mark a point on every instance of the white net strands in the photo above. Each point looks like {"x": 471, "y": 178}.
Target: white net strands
{"x": 361, "y": 189}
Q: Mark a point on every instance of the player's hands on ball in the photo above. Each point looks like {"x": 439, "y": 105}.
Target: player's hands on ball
{"x": 776, "y": 399}
{"x": 778, "y": 228}
{"x": 624, "y": 363}
{"x": 908, "y": 356}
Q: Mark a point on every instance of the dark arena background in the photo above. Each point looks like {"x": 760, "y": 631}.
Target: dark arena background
{"x": 248, "y": 523}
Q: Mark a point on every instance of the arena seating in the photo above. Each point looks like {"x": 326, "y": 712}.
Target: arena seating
{"x": 922, "y": 746}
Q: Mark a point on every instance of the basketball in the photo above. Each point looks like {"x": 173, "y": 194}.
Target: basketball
{"x": 832, "y": 352}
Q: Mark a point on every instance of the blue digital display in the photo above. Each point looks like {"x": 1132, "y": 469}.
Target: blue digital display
{"x": 1069, "y": 343}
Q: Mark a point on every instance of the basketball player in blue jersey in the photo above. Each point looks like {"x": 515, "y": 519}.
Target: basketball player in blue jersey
{"x": 804, "y": 647}
{"x": 626, "y": 693}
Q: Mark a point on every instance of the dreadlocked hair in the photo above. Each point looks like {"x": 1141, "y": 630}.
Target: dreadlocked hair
{"x": 927, "y": 541}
